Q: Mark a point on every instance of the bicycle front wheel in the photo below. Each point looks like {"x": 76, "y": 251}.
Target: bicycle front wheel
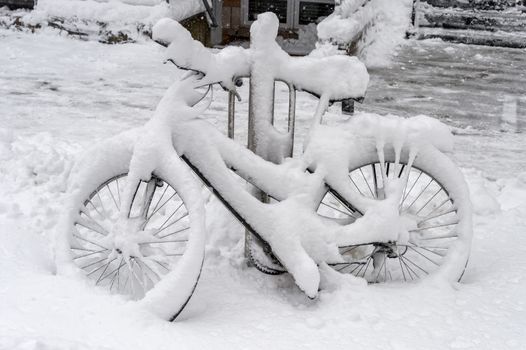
{"x": 155, "y": 253}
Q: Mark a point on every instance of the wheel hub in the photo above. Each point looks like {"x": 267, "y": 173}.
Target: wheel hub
{"x": 391, "y": 249}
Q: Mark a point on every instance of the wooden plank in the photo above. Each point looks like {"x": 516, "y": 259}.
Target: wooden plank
{"x": 232, "y": 3}
{"x": 227, "y": 17}
{"x": 235, "y": 20}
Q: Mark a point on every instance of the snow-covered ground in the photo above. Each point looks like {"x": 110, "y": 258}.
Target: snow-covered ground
{"x": 59, "y": 96}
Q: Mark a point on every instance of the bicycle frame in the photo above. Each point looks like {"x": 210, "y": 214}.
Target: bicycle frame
{"x": 258, "y": 193}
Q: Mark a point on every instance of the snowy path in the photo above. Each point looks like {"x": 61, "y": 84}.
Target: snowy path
{"x": 476, "y": 88}
{"x": 58, "y": 96}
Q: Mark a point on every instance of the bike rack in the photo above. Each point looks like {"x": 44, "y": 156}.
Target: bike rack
{"x": 252, "y": 143}
{"x": 291, "y": 122}
{"x": 347, "y": 107}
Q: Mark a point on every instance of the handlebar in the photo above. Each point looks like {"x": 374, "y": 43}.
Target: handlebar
{"x": 337, "y": 77}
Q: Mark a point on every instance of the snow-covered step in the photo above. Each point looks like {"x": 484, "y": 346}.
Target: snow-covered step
{"x": 477, "y": 5}
{"x": 453, "y": 18}
{"x": 477, "y": 37}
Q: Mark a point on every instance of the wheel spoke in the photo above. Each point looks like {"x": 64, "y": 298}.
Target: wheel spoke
{"x": 420, "y": 194}
{"x": 367, "y": 266}
{"x": 134, "y": 274}
{"x": 96, "y": 209}
{"x": 118, "y": 191}
{"x": 173, "y": 223}
{"x": 410, "y": 271}
{"x": 95, "y": 222}
{"x": 427, "y": 218}
{"x": 432, "y": 251}
{"x": 117, "y": 274}
{"x": 416, "y": 265}
{"x": 401, "y": 171}
{"x": 429, "y": 200}
{"x": 151, "y": 270}
{"x": 434, "y": 226}
{"x": 425, "y": 257}
{"x": 400, "y": 261}
{"x": 380, "y": 269}
{"x": 411, "y": 189}
{"x": 444, "y": 236}
{"x": 385, "y": 271}
{"x": 375, "y": 180}
{"x": 160, "y": 264}
{"x": 355, "y": 268}
{"x": 102, "y": 205}
{"x": 113, "y": 197}
{"x": 168, "y": 241}
{"x": 338, "y": 210}
{"x": 95, "y": 228}
{"x": 87, "y": 240}
{"x": 158, "y": 201}
{"x": 174, "y": 233}
{"x": 348, "y": 250}
{"x": 354, "y": 183}
{"x": 366, "y": 182}
{"x": 159, "y": 208}
{"x": 104, "y": 271}
{"x": 93, "y": 263}
{"x": 171, "y": 215}
{"x": 113, "y": 272}
{"x": 84, "y": 249}
{"x": 89, "y": 254}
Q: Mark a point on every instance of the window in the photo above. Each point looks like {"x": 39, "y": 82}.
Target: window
{"x": 279, "y": 7}
{"x": 292, "y": 14}
{"x": 309, "y": 11}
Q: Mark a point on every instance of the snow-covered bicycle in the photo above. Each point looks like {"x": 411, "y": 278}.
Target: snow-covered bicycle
{"x": 377, "y": 199}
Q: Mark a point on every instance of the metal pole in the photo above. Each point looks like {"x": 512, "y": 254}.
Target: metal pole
{"x": 231, "y": 113}
{"x": 416, "y": 19}
{"x": 292, "y": 116}
{"x": 216, "y": 32}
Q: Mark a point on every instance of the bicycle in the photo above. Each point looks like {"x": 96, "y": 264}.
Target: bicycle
{"x": 381, "y": 202}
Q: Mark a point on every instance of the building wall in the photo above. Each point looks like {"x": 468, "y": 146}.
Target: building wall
{"x": 198, "y": 26}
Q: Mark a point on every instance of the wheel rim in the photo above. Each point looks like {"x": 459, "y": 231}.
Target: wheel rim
{"x": 129, "y": 256}
{"x": 424, "y": 201}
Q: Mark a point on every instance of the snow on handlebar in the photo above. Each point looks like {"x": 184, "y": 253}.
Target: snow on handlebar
{"x": 335, "y": 78}
{"x": 186, "y": 53}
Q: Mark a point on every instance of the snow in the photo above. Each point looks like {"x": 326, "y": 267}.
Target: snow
{"x": 97, "y": 19}
{"x": 384, "y": 23}
{"x": 221, "y": 67}
{"x": 182, "y": 9}
{"x": 233, "y": 307}
{"x": 140, "y": 11}
{"x": 414, "y": 131}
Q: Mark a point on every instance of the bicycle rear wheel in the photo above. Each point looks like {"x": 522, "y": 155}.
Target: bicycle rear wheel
{"x": 435, "y": 196}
